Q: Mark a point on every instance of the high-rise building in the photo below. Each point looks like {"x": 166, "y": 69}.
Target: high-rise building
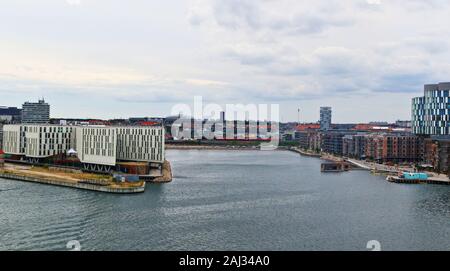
{"x": 36, "y": 113}
{"x": 431, "y": 112}
{"x": 325, "y": 118}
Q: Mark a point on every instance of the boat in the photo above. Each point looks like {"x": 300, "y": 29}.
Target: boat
{"x": 408, "y": 177}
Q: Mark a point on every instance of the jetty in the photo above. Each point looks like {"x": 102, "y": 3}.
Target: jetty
{"x": 70, "y": 178}
{"x": 335, "y": 167}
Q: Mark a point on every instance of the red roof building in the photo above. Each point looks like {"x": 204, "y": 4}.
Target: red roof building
{"x": 308, "y": 126}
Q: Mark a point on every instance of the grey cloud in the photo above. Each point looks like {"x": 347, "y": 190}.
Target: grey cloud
{"x": 250, "y": 16}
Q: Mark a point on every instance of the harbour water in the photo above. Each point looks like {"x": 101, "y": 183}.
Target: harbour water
{"x": 231, "y": 200}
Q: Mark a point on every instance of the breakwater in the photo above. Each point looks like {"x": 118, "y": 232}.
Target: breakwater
{"x": 79, "y": 185}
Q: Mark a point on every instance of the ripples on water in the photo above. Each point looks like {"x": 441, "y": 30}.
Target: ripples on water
{"x": 231, "y": 200}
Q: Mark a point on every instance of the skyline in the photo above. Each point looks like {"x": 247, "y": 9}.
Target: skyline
{"x": 104, "y": 59}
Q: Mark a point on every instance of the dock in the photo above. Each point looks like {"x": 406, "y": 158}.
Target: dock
{"x": 70, "y": 178}
{"x": 335, "y": 167}
{"x": 79, "y": 185}
{"x": 398, "y": 180}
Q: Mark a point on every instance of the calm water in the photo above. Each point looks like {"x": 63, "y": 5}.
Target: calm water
{"x": 225, "y": 200}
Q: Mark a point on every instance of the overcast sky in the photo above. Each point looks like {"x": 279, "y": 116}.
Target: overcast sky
{"x": 116, "y": 59}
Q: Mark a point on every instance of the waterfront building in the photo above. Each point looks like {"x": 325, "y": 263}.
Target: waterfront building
{"x": 431, "y": 112}
{"x": 144, "y": 144}
{"x": 308, "y": 136}
{"x": 310, "y": 140}
{"x": 354, "y": 146}
{"x": 37, "y": 141}
{"x": 437, "y": 154}
{"x": 36, "y": 113}
{"x": 98, "y": 148}
{"x": 332, "y": 141}
{"x": 395, "y": 148}
{"x": 325, "y": 118}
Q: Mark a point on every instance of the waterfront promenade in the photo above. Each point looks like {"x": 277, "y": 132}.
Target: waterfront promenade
{"x": 375, "y": 167}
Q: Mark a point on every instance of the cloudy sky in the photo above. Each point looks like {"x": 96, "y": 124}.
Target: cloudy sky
{"x": 111, "y": 58}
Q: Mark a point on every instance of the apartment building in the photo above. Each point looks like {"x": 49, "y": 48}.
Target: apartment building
{"x": 393, "y": 148}
{"x": 354, "y": 146}
{"x": 332, "y": 141}
{"x": 325, "y": 118}
{"x": 437, "y": 153}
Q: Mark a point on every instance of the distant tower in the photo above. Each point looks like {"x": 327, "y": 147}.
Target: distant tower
{"x": 325, "y": 118}
{"x": 38, "y": 113}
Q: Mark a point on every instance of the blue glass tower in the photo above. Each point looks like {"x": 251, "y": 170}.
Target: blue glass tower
{"x": 431, "y": 113}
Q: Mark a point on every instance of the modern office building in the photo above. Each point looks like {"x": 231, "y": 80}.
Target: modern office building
{"x": 36, "y": 113}
{"x": 325, "y": 118}
{"x": 145, "y": 144}
{"x": 98, "y": 148}
{"x": 431, "y": 112}
{"x": 36, "y": 142}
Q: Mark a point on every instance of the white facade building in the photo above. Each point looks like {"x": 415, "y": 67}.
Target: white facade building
{"x": 145, "y": 144}
{"x": 98, "y": 148}
{"x": 97, "y": 145}
{"x": 12, "y": 139}
{"x": 38, "y": 141}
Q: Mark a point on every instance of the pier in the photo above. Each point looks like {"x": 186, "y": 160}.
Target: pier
{"x": 70, "y": 178}
{"x": 79, "y": 185}
{"x": 335, "y": 167}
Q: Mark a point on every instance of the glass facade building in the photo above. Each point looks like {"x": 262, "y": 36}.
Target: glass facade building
{"x": 325, "y": 118}
{"x": 431, "y": 113}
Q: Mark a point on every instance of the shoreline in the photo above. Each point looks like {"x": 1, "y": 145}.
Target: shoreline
{"x": 79, "y": 185}
{"x": 434, "y": 178}
{"x": 69, "y": 178}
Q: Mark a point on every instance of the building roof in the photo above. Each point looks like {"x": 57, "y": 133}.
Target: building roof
{"x": 309, "y": 126}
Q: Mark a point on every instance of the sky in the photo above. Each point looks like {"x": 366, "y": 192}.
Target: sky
{"x": 119, "y": 59}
